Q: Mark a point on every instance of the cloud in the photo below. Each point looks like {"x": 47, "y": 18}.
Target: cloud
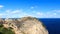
{"x": 8, "y": 11}
{"x": 48, "y": 14}
{"x": 15, "y": 11}
{"x": 1, "y": 15}
{"x": 58, "y": 11}
{"x": 32, "y": 7}
{"x": 39, "y": 13}
{"x": 21, "y": 13}
{"x": 1, "y": 6}
{"x": 54, "y": 13}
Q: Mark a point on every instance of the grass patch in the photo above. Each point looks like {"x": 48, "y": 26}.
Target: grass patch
{"x": 5, "y": 30}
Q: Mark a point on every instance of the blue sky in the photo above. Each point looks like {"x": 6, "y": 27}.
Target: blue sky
{"x": 34, "y": 8}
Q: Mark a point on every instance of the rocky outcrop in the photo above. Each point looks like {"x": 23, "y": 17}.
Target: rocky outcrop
{"x": 2, "y": 21}
{"x": 26, "y": 25}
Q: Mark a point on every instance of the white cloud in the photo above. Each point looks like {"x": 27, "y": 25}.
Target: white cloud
{"x": 54, "y": 13}
{"x": 32, "y": 7}
{"x": 16, "y": 11}
{"x": 8, "y": 11}
{"x": 48, "y": 14}
{"x": 33, "y": 11}
{"x": 1, "y": 6}
{"x": 58, "y": 11}
{"x": 13, "y": 11}
{"x": 1, "y": 15}
{"x": 40, "y": 14}
{"x": 21, "y": 13}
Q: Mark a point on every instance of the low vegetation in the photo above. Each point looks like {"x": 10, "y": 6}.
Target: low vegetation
{"x": 5, "y": 30}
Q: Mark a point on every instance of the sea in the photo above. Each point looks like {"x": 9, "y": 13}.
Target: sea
{"x": 52, "y": 24}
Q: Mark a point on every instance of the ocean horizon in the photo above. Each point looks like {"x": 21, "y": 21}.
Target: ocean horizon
{"x": 52, "y": 24}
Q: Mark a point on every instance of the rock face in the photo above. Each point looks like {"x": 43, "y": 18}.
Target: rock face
{"x": 26, "y": 25}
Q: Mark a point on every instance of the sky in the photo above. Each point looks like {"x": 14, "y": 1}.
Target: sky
{"x": 34, "y": 8}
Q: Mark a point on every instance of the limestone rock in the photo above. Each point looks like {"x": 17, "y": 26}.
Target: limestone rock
{"x": 1, "y": 21}
{"x": 27, "y": 25}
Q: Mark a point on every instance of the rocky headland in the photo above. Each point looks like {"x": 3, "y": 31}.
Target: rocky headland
{"x": 25, "y": 25}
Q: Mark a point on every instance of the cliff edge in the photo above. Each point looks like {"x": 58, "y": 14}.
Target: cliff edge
{"x": 26, "y": 25}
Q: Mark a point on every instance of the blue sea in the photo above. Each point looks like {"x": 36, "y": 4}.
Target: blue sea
{"x": 52, "y": 24}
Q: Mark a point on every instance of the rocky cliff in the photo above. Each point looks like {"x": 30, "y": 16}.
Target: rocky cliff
{"x": 26, "y": 25}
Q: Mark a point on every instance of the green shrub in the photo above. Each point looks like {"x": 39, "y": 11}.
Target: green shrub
{"x": 1, "y": 25}
{"x": 5, "y": 30}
